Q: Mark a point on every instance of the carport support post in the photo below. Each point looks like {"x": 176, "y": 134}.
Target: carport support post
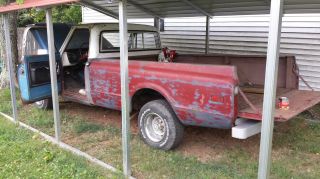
{"x": 270, "y": 88}
{"x": 53, "y": 75}
{"x": 10, "y": 66}
{"x": 207, "y": 43}
{"x": 125, "y": 102}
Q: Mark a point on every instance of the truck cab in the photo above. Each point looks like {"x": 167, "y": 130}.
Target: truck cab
{"x": 74, "y": 56}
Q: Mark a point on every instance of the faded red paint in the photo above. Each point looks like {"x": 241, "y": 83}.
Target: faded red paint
{"x": 201, "y": 95}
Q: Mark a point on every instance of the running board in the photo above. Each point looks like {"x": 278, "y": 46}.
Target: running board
{"x": 246, "y": 128}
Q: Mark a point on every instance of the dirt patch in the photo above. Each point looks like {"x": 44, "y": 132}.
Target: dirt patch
{"x": 98, "y": 114}
{"x": 210, "y": 144}
{"x": 205, "y": 144}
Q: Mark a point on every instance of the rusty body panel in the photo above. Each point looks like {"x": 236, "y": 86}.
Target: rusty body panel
{"x": 201, "y": 95}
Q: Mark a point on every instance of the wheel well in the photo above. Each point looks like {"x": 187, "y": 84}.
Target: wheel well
{"x": 143, "y": 96}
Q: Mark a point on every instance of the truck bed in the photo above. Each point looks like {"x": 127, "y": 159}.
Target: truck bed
{"x": 251, "y": 71}
{"x": 299, "y": 101}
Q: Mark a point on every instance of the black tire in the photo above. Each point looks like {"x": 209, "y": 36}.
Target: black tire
{"x": 44, "y": 104}
{"x": 153, "y": 134}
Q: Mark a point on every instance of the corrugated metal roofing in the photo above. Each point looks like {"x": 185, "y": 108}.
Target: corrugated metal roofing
{"x": 180, "y": 8}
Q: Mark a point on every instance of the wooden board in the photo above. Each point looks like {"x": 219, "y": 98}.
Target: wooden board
{"x": 299, "y": 102}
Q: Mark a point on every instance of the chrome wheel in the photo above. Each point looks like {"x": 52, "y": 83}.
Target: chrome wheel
{"x": 155, "y": 127}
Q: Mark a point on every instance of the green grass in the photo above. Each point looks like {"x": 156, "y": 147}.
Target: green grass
{"x": 5, "y": 101}
{"x": 296, "y": 148}
{"x": 24, "y": 155}
{"x": 83, "y": 126}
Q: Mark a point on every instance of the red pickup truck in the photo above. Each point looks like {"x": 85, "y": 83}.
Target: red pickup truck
{"x": 199, "y": 90}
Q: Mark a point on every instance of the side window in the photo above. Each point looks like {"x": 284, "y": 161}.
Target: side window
{"x": 137, "y": 40}
{"x": 36, "y": 42}
{"x": 110, "y": 41}
{"x": 79, "y": 39}
{"x": 149, "y": 40}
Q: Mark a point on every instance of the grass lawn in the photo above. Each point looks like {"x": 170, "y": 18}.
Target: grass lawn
{"x": 204, "y": 153}
{"x": 23, "y": 155}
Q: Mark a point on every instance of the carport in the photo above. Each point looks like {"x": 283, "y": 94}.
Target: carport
{"x": 159, "y": 9}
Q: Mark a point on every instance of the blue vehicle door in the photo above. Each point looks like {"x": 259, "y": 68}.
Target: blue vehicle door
{"x": 34, "y": 71}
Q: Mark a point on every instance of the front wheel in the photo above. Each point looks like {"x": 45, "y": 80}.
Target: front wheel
{"x": 159, "y": 126}
{"x": 44, "y": 104}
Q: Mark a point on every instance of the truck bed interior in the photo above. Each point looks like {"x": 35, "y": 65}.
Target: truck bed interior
{"x": 251, "y": 74}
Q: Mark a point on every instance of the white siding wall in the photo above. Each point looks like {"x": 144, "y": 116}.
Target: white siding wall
{"x": 241, "y": 35}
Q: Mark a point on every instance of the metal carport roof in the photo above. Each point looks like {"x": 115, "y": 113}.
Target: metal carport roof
{"x": 179, "y": 8}
{"x": 185, "y": 8}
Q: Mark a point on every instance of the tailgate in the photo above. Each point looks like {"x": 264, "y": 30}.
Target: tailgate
{"x": 299, "y": 102}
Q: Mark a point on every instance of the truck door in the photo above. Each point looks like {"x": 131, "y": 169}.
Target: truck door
{"x": 34, "y": 72}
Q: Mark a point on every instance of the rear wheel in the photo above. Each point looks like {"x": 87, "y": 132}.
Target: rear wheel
{"x": 44, "y": 104}
{"x": 159, "y": 126}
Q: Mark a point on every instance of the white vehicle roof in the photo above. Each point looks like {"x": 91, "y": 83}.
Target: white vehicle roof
{"x": 97, "y": 28}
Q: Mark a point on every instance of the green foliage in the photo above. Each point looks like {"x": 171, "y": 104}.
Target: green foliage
{"x": 67, "y": 14}
{"x": 60, "y": 14}
{"x": 20, "y": 1}
{"x": 2, "y": 2}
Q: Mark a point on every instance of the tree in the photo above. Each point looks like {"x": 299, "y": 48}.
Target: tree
{"x": 13, "y": 37}
{"x": 62, "y": 14}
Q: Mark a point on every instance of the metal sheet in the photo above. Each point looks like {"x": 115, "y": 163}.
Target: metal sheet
{"x": 270, "y": 86}
{"x": 10, "y": 67}
{"x": 172, "y": 8}
{"x": 125, "y": 98}
{"x": 53, "y": 75}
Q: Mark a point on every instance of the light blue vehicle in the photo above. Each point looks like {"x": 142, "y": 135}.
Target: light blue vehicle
{"x": 34, "y": 72}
